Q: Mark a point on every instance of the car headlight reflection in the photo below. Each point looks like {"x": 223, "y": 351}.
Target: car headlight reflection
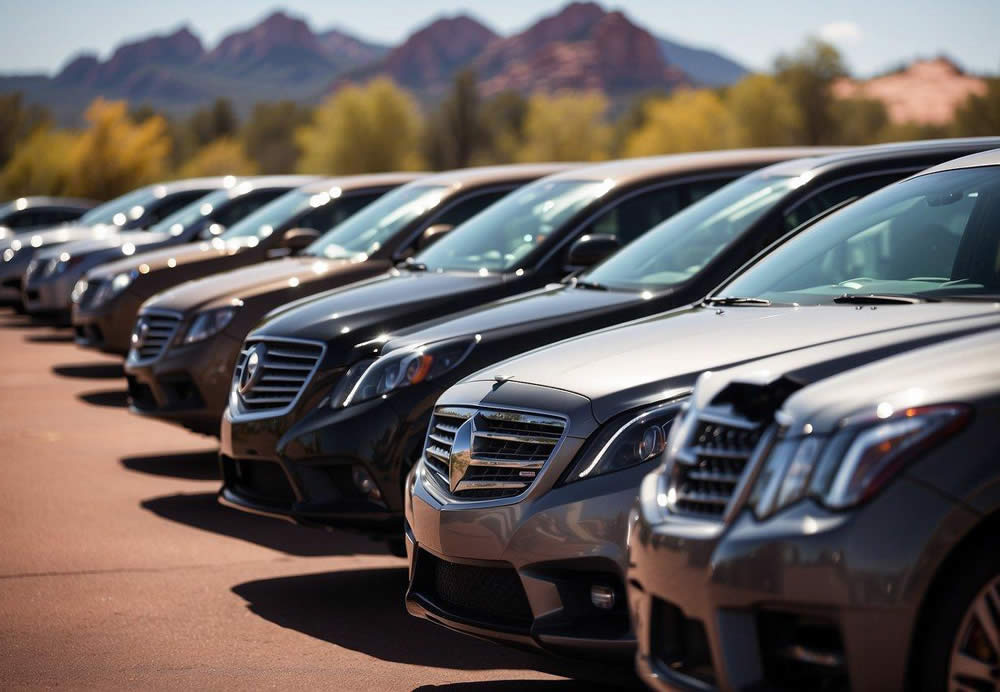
{"x": 209, "y": 323}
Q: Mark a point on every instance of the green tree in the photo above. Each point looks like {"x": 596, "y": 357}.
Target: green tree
{"x": 41, "y": 165}
{"x": 503, "y": 117}
{"x": 17, "y": 122}
{"x": 763, "y": 112}
{"x": 362, "y": 129}
{"x": 687, "y": 121}
{"x": 209, "y": 124}
{"x": 114, "y": 154}
{"x": 808, "y": 74}
{"x": 455, "y": 132}
{"x": 633, "y": 118}
{"x": 566, "y": 126}
{"x": 224, "y": 156}
{"x": 269, "y": 135}
{"x": 860, "y": 120}
{"x": 980, "y": 114}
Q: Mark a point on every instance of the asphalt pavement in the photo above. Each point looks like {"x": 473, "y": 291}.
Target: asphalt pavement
{"x": 119, "y": 569}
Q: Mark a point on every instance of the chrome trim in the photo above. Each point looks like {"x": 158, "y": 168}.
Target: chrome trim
{"x": 171, "y": 336}
{"x": 235, "y": 400}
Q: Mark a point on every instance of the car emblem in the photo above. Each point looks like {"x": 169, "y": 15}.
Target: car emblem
{"x": 252, "y": 370}
{"x": 140, "y": 334}
{"x": 461, "y": 453}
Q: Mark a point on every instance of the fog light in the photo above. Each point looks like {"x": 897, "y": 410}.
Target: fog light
{"x": 602, "y": 597}
{"x": 365, "y": 483}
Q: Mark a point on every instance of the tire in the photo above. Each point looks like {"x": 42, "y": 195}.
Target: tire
{"x": 954, "y": 640}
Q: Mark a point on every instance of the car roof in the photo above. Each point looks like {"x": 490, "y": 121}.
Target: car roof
{"x": 485, "y": 175}
{"x": 958, "y": 146}
{"x": 50, "y": 201}
{"x": 627, "y": 171}
{"x": 356, "y": 182}
{"x": 983, "y": 158}
{"x": 258, "y": 182}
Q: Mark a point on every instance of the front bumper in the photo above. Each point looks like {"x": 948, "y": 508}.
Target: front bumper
{"x": 307, "y": 472}
{"x": 107, "y": 328}
{"x": 186, "y": 385}
{"x": 50, "y": 294}
{"x": 807, "y": 599}
{"x": 11, "y": 276}
{"x": 543, "y": 553}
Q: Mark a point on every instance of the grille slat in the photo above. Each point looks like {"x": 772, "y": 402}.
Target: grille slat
{"x": 711, "y": 464}
{"x": 152, "y": 334}
{"x": 285, "y": 368}
{"x": 506, "y": 450}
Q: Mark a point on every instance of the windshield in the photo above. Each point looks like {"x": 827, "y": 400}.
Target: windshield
{"x": 121, "y": 210}
{"x": 364, "y": 233}
{"x": 503, "y": 234}
{"x": 681, "y": 246}
{"x": 273, "y": 215}
{"x": 934, "y": 236}
{"x": 187, "y": 216}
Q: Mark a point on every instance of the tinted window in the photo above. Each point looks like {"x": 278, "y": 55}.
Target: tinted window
{"x": 329, "y": 215}
{"x": 169, "y": 205}
{"x": 837, "y": 193}
{"x": 39, "y": 217}
{"x": 274, "y": 215}
{"x": 679, "y": 247}
{"x": 467, "y": 208}
{"x": 121, "y": 210}
{"x": 239, "y": 207}
{"x": 192, "y": 213}
{"x": 935, "y": 235}
{"x": 637, "y": 214}
{"x": 501, "y": 236}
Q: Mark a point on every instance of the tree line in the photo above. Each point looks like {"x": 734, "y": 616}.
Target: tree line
{"x": 380, "y": 126}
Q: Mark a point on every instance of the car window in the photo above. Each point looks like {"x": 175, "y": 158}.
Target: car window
{"x": 121, "y": 210}
{"x": 505, "y": 233}
{"x": 158, "y": 211}
{"x": 934, "y": 235}
{"x": 634, "y": 216}
{"x": 329, "y": 215}
{"x": 467, "y": 208}
{"x": 837, "y": 193}
{"x": 39, "y": 217}
{"x": 243, "y": 205}
{"x": 679, "y": 247}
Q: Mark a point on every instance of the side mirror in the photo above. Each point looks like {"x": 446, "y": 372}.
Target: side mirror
{"x": 432, "y": 234}
{"x": 590, "y": 249}
{"x": 299, "y": 238}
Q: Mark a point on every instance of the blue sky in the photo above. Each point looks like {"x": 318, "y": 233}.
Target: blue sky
{"x": 42, "y": 36}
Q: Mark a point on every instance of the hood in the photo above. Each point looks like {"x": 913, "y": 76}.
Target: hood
{"x": 63, "y": 234}
{"x": 220, "y": 289}
{"x": 164, "y": 258}
{"x": 630, "y": 365}
{"x": 375, "y": 303}
{"x": 544, "y": 309}
{"x": 107, "y": 241}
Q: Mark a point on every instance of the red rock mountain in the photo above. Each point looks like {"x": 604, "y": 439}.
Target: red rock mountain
{"x": 280, "y": 41}
{"x": 179, "y": 48}
{"x": 344, "y": 48}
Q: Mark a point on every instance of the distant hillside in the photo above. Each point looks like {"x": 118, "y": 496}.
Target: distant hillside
{"x": 583, "y": 46}
{"x": 926, "y": 92}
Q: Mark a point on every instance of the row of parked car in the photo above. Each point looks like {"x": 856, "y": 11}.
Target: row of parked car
{"x": 729, "y": 413}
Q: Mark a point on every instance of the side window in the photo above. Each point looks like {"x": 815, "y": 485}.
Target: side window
{"x": 467, "y": 208}
{"x": 329, "y": 215}
{"x": 637, "y": 214}
{"x": 168, "y": 205}
{"x": 244, "y": 205}
{"x": 703, "y": 188}
{"x": 41, "y": 217}
{"x": 835, "y": 194}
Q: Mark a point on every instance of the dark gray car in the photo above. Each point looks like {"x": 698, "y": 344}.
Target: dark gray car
{"x": 858, "y": 550}
{"x": 532, "y": 550}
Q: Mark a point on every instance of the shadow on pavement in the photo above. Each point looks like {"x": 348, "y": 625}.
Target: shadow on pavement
{"x": 116, "y": 398}
{"x": 55, "y": 338}
{"x": 525, "y": 686}
{"x": 15, "y": 321}
{"x": 202, "y": 511}
{"x": 90, "y": 371}
{"x": 196, "y": 466}
{"x": 363, "y": 610}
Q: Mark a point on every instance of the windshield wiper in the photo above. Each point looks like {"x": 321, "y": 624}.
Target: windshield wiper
{"x": 412, "y": 266}
{"x": 736, "y": 300}
{"x": 878, "y": 299}
{"x": 591, "y": 285}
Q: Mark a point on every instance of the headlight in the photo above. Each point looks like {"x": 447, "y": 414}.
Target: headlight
{"x": 628, "y": 440}
{"x": 79, "y": 288}
{"x": 208, "y": 323}
{"x": 9, "y": 254}
{"x": 110, "y": 289}
{"x": 58, "y": 265}
{"x": 856, "y": 462}
{"x": 406, "y": 367}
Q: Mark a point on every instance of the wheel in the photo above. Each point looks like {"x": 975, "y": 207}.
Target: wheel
{"x": 961, "y": 649}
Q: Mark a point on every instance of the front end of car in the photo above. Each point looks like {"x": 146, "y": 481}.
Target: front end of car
{"x": 771, "y": 551}
{"x": 516, "y": 515}
{"x": 102, "y": 310}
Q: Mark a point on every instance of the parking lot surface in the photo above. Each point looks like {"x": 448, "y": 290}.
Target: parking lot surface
{"x": 119, "y": 569}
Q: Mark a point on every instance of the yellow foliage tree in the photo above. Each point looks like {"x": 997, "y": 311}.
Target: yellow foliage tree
{"x": 41, "y": 165}
{"x": 115, "y": 154}
{"x": 362, "y": 129}
{"x": 686, "y": 121}
{"x": 764, "y": 112}
{"x": 224, "y": 156}
{"x": 566, "y": 126}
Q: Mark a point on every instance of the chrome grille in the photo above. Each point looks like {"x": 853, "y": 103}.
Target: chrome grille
{"x": 285, "y": 367}
{"x": 711, "y": 463}
{"x": 152, "y": 334}
{"x": 485, "y": 454}
{"x": 34, "y": 271}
